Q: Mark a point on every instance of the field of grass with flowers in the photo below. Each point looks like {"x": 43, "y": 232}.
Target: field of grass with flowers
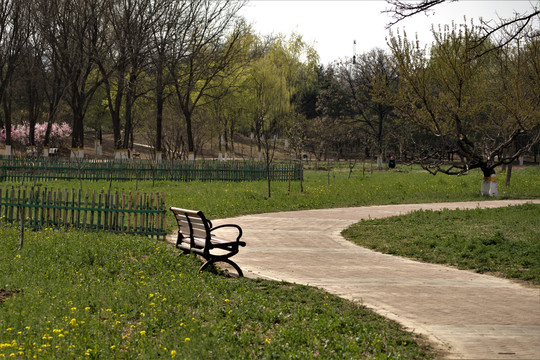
{"x": 80, "y": 295}
{"x": 69, "y": 294}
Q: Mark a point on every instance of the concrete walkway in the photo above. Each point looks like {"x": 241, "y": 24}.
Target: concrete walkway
{"x": 464, "y": 314}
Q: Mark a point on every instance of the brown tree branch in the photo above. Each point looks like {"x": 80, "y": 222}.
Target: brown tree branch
{"x": 520, "y": 20}
{"x": 401, "y": 10}
{"x": 404, "y": 9}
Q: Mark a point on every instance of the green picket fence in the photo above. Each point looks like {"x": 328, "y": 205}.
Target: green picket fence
{"x": 43, "y": 169}
{"x": 118, "y": 212}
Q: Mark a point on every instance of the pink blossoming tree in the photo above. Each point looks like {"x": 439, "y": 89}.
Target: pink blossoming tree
{"x": 20, "y": 134}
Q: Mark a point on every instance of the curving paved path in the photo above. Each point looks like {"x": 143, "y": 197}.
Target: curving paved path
{"x": 464, "y": 314}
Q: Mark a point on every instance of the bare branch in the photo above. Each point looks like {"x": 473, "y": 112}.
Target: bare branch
{"x": 436, "y": 168}
{"x": 512, "y": 29}
{"x": 404, "y": 9}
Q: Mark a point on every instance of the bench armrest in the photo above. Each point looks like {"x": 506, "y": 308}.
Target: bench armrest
{"x": 241, "y": 243}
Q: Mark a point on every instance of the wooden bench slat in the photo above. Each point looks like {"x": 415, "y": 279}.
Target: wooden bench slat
{"x": 199, "y": 233}
{"x": 184, "y": 211}
{"x": 193, "y": 223}
{"x": 192, "y": 219}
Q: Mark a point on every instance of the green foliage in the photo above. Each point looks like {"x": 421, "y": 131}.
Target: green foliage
{"x": 120, "y": 297}
{"x": 504, "y": 241}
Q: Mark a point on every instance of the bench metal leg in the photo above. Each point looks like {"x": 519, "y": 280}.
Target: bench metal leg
{"x": 228, "y": 261}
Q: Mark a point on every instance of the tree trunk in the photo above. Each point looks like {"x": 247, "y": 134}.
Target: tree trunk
{"x": 34, "y": 105}
{"x": 77, "y": 136}
{"x": 48, "y": 129}
{"x": 54, "y": 100}
{"x": 380, "y": 140}
{"x": 115, "y": 105}
{"x": 226, "y": 140}
{"x": 130, "y": 101}
{"x": 490, "y": 185}
{"x": 379, "y": 162}
{"x": 128, "y": 128}
{"x": 191, "y": 143}
{"x": 159, "y": 113}
{"x": 46, "y": 140}
{"x": 508, "y": 174}
{"x": 231, "y": 128}
{"x": 268, "y": 178}
{"x": 7, "y": 122}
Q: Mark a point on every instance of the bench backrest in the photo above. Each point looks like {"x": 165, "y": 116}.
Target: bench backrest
{"x": 192, "y": 224}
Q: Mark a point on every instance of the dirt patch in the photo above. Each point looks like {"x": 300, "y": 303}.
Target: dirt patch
{"x": 6, "y": 294}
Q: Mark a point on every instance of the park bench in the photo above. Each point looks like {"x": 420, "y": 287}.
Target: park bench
{"x": 53, "y": 152}
{"x": 196, "y": 235}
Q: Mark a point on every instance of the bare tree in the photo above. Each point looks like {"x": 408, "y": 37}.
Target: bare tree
{"x": 47, "y": 70}
{"x": 371, "y": 83}
{"x": 32, "y": 89}
{"x": 206, "y": 57}
{"x": 169, "y": 29}
{"x": 129, "y": 46}
{"x": 359, "y": 99}
{"x": 483, "y": 109}
{"x": 14, "y": 34}
{"x": 503, "y": 37}
{"x": 75, "y": 31}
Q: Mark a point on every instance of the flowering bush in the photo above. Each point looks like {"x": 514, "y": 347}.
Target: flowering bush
{"x": 20, "y": 134}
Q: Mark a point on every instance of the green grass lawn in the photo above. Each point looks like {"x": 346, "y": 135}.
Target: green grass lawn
{"x": 321, "y": 190}
{"x": 87, "y": 295}
{"x": 82, "y": 295}
{"x": 503, "y": 241}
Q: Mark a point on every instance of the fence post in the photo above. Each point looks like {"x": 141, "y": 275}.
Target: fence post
{"x": 21, "y": 209}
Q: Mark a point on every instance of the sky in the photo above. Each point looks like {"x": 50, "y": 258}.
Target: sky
{"x": 331, "y": 26}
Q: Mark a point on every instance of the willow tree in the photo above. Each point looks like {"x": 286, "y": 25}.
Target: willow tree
{"x": 278, "y": 68}
{"x": 269, "y": 104}
{"x": 268, "y": 99}
{"x": 457, "y": 99}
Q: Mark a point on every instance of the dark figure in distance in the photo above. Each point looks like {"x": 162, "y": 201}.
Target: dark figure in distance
{"x": 392, "y": 162}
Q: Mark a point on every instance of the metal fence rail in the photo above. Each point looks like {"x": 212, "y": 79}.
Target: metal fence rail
{"x": 118, "y": 212}
{"x": 43, "y": 169}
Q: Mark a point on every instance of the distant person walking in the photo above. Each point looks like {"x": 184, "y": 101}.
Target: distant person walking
{"x": 392, "y": 162}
